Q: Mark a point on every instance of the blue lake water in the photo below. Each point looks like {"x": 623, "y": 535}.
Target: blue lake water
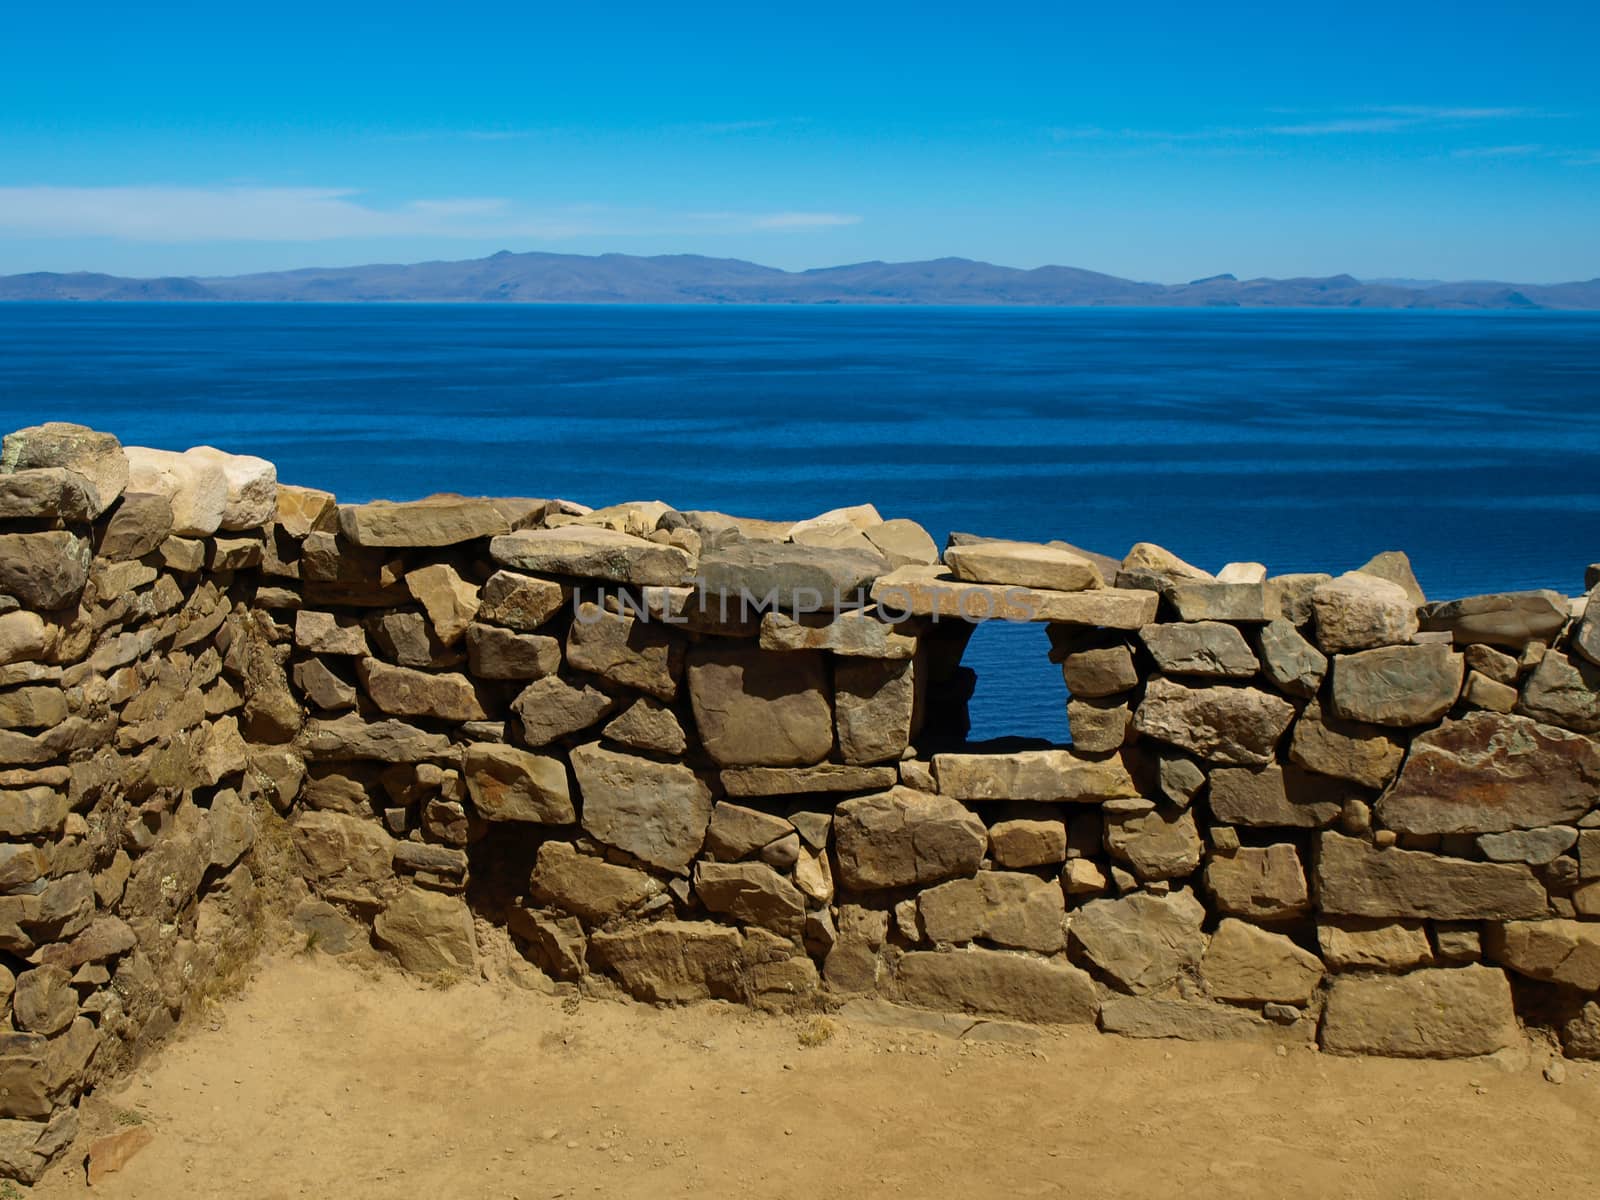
{"x": 1304, "y": 440}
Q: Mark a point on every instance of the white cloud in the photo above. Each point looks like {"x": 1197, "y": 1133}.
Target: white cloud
{"x": 295, "y": 214}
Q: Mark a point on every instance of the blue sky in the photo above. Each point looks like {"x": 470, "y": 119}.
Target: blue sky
{"x": 1160, "y": 140}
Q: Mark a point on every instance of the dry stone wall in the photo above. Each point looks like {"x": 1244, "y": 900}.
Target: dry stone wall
{"x": 685, "y": 755}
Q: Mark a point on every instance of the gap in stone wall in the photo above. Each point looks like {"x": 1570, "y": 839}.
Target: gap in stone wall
{"x": 1019, "y": 693}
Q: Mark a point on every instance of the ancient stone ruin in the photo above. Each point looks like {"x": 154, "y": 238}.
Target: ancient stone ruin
{"x": 682, "y": 755}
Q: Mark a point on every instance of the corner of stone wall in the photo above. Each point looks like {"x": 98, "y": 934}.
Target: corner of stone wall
{"x": 1297, "y": 808}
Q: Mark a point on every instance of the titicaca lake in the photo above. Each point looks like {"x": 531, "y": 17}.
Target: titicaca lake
{"x": 1304, "y": 440}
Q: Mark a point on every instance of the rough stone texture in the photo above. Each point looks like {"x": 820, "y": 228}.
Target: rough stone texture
{"x": 1289, "y": 597}
{"x": 672, "y": 962}
{"x": 251, "y": 487}
{"x": 592, "y": 553}
{"x": 858, "y": 633}
{"x": 657, "y": 812}
{"x": 1589, "y": 853}
{"x": 96, "y": 457}
{"x": 1504, "y": 619}
{"x": 1495, "y": 664}
{"x": 796, "y": 781}
{"x": 1352, "y": 944}
{"x": 1233, "y": 726}
{"x": 1104, "y": 672}
{"x": 1358, "y": 611}
{"x": 650, "y": 726}
{"x": 1580, "y": 1036}
{"x": 44, "y": 571}
{"x": 874, "y": 706}
{"x": 1242, "y": 572}
{"x": 32, "y": 708}
{"x": 1487, "y": 773}
{"x": 1564, "y": 691}
{"x": 429, "y": 933}
{"x": 1395, "y": 566}
{"x": 1207, "y": 648}
{"x": 1016, "y": 844}
{"x": 591, "y": 888}
{"x": 935, "y": 592}
{"x": 301, "y": 511}
{"x": 738, "y": 832}
{"x": 1186, "y": 1020}
{"x": 346, "y": 858}
{"x": 193, "y": 484}
{"x": 1356, "y": 879}
{"x": 1157, "y": 845}
{"x": 626, "y": 652}
{"x": 1098, "y": 726}
{"x": 751, "y": 893}
{"x": 1244, "y": 962}
{"x": 1015, "y": 910}
{"x": 552, "y": 708}
{"x": 435, "y": 521}
{"x": 1157, "y": 560}
{"x": 403, "y": 692}
{"x": 327, "y": 633}
{"x": 1288, "y": 660}
{"x": 1482, "y": 692}
{"x": 1023, "y": 564}
{"x": 1141, "y": 942}
{"x": 994, "y": 983}
{"x": 450, "y": 601}
{"x": 353, "y": 737}
{"x": 902, "y": 542}
{"x": 744, "y": 579}
{"x": 23, "y": 637}
{"x": 1533, "y": 846}
{"x": 1453, "y": 1013}
{"x": 903, "y": 837}
{"x": 27, "y": 1147}
{"x": 1275, "y": 796}
{"x": 1397, "y": 685}
{"x": 1045, "y": 776}
{"x": 495, "y": 653}
{"x": 1560, "y": 951}
{"x": 1217, "y": 600}
{"x": 1586, "y": 637}
{"x": 760, "y": 708}
{"x": 519, "y": 601}
{"x": 1365, "y": 754}
{"x": 508, "y": 784}
{"x": 44, "y": 1001}
{"x": 47, "y": 493}
{"x": 1264, "y": 882}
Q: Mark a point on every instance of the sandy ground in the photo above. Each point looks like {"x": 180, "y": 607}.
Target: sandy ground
{"x": 323, "y": 1080}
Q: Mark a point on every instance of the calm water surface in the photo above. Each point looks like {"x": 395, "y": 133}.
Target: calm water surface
{"x": 1304, "y": 440}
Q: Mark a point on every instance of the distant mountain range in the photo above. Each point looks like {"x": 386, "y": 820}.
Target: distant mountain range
{"x": 539, "y": 278}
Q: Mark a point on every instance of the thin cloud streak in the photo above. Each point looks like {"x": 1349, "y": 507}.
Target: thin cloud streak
{"x": 781, "y": 221}
{"x": 1522, "y": 151}
{"x": 1375, "y": 119}
{"x": 304, "y": 214}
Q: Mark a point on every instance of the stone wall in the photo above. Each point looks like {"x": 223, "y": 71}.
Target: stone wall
{"x": 685, "y": 755}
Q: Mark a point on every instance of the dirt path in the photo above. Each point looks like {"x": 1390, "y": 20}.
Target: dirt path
{"x": 324, "y": 1081}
